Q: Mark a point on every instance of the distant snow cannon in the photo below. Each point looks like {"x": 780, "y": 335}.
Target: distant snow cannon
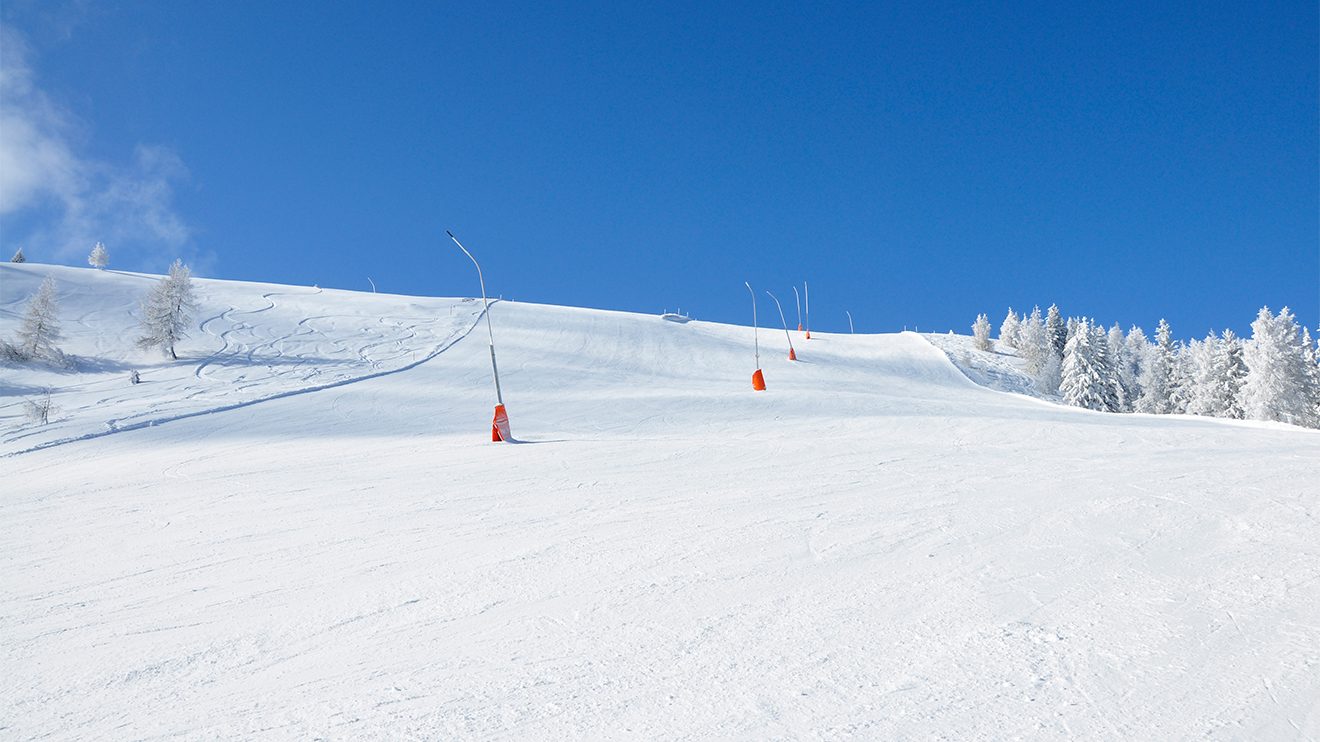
{"x": 499, "y": 425}
{"x": 792, "y": 356}
{"x": 797, "y": 299}
{"x": 758, "y": 379}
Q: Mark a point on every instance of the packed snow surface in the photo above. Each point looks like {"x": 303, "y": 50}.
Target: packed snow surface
{"x": 310, "y": 535}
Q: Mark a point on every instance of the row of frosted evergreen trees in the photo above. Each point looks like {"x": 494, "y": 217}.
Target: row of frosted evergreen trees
{"x": 1271, "y": 376}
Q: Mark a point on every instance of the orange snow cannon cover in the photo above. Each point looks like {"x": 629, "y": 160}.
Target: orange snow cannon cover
{"x": 499, "y": 427}
{"x": 758, "y": 381}
{"x": 792, "y": 356}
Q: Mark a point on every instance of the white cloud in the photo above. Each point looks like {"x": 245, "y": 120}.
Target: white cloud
{"x": 72, "y": 201}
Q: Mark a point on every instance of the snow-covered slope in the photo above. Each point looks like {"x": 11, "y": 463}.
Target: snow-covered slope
{"x": 875, "y": 547}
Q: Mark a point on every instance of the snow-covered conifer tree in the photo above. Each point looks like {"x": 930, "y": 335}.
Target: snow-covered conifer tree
{"x": 1056, "y": 329}
{"x": 1230, "y": 374}
{"x": 1182, "y": 385}
{"x": 1117, "y": 345}
{"x": 1107, "y": 364}
{"x": 1279, "y": 384}
{"x": 1083, "y": 381}
{"x": 1203, "y": 387}
{"x": 167, "y": 310}
{"x": 98, "y": 258}
{"x": 981, "y": 331}
{"x": 1008, "y": 330}
{"x": 1036, "y": 348}
{"x": 18, "y": 257}
{"x": 39, "y": 331}
{"x": 1159, "y": 374}
{"x": 1135, "y": 352}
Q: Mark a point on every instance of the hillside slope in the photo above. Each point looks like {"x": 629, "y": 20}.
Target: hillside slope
{"x": 875, "y": 547}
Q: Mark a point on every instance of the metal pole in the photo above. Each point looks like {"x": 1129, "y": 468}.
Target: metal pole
{"x": 807, "y": 295}
{"x": 781, "y": 319}
{"x": 756, "y": 343}
{"x": 797, "y": 299}
{"x": 499, "y": 396}
{"x": 850, "y": 327}
{"x": 373, "y": 284}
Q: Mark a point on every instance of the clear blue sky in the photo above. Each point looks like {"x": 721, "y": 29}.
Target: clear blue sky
{"x": 916, "y": 162}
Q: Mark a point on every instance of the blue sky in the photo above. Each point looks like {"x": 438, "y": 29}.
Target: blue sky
{"x": 916, "y": 162}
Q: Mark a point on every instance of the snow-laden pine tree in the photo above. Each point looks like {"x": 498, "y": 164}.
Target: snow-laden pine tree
{"x": 18, "y": 257}
{"x": 1202, "y": 357}
{"x": 1229, "y": 375}
{"x": 1107, "y": 364}
{"x": 1279, "y": 384}
{"x": 981, "y": 331}
{"x": 1056, "y": 329}
{"x": 1083, "y": 381}
{"x": 1313, "y": 365}
{"x": 1135, "y": 352}
{"x": 167, "y": 310}
{"x": 1078, "y": 382}
{"x": 1036, "y": 348}
{"x": 39, "y": 331}
{"x": 98, "y": 258}
{"x": 1117, "y": 345}
{"x": 1159, "y": 374}
{"x": 1182, "y": 385}
{"x": 1008, "y": 330}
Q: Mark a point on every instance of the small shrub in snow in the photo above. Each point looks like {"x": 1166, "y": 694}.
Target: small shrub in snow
{"x": 40, "y": 409}
{"x": 18, "y": 257}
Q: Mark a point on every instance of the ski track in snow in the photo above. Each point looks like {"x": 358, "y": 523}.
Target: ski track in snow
{"x": 874, "y": 548}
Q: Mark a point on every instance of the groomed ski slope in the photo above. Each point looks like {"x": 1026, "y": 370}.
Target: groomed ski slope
{"x": 873, "y": 548}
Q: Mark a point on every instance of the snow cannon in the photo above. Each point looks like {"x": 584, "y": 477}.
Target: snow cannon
{"x": 758, "y": 381}
{"x": 792, "y": 354}
{"x": 499, "y": 427}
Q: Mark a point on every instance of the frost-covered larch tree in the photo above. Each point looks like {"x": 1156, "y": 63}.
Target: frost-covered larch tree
{"x": 18, "y": 257}
{"x": 167, "y": 310}
{"x": 1009, "y": 329}
{"x": 981, "y": 331}
{"x": 1056, "y": 329}
{"x": 98, "y": 258}
{"x": 1159, "y": 374}
{"x": 1279, "y": 384}
{"x": 39, "y": 331}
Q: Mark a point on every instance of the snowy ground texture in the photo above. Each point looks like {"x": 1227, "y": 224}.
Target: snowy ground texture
{"x": 873, "y": 548}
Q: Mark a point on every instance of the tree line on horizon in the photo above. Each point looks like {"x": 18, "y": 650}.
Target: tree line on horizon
{"x": 1273, "y": 375}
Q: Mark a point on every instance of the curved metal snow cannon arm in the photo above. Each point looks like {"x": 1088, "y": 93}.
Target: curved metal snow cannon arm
{"x": 499, "y": 430}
